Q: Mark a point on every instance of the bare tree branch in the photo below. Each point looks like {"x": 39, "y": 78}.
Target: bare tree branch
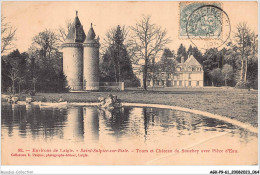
{"x": 63, "y": 31}
{"x": 8, "y": 35}
{"x": 147, "y": 41}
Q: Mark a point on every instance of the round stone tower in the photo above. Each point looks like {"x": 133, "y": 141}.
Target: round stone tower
{"x": 91, "y": 61}
{"x": 73, "y": 55}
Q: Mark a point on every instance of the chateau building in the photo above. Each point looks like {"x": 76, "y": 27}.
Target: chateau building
{"x": 81, "y": 58}
{"x": 187, "y": 74}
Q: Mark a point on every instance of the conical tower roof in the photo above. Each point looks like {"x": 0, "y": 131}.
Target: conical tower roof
{"x": 76, "y": 32}
{"x": 91, "y": 35}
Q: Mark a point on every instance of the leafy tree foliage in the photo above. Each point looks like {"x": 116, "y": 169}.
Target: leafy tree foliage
{"x": 6, "y": 81}
{"x": 227, "y": 72}
{"x": 210, "y": 62}
{"x": 216, "y": 76}
{"x": 40, "y": 69}
{"x": 165, "y": 65}
{"x": 13, "y": 70}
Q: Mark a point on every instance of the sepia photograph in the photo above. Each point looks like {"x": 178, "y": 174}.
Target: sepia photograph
{"x": 129, "y": 83}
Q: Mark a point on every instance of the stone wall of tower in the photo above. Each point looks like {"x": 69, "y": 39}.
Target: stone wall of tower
{"x": 73, "y": 65}
{"x": 91, "y": 66}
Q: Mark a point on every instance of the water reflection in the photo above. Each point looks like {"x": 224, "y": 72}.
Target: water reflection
{"x": 74, "y": 129}
{"x": 90, "y": 124}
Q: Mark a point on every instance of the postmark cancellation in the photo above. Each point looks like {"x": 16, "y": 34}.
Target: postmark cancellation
{"x": 200, "y": 20}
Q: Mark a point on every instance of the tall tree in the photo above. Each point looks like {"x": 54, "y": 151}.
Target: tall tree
{"x": 190, "y": 50}
{"x": 7, "y": 35}
{"x": 17, "y": 61}
{"x": 167, "y": 53}
{"x": 116, "y": 65}
{"x": 6, "y": 82}
{"x": 197, "y": 54}
{"x": 166, "y": 65}
{"x": 210, "y": 62}
{"x": 245, "y": 44}
{"x": 13, "y": 74}
{"x": 45, "y": 62}
{"x": 147, "y": 41}
{"x": 216, "y": 76}
{"x": 16, "y": 67}
{"x": 182, "y": 53}
{"x": 46, "y": 44}
{"x": 109, "y": 38}
{"x": 227, "y": 72}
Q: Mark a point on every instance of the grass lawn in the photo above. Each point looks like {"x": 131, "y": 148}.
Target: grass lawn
{"x": 238, "y": 104}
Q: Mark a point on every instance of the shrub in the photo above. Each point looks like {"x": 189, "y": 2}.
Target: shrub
{"x": 242, "y": 85}
{"x": 32, "y": 93}
{"x": 132, "y": 83}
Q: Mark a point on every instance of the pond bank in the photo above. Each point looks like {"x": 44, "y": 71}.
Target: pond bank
{"x": 237, "y": 104}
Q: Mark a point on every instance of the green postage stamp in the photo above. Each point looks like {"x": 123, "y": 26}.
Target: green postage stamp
{"x": 200, "y": 20}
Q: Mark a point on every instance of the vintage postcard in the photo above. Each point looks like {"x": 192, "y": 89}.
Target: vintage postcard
{"x": 129, "y": 83}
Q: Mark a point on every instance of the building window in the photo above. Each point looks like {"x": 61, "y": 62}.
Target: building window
{"x": 189, "y": 83}
{"x": 189, "y": 76}
{"x": 175, "y": 83}
{"x": 180, "y": 83}
{"x": 169, "y": 76}
{"x": 198, "y": 83}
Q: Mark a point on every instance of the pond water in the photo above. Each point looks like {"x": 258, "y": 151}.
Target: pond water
{"x": 139, "y": 126}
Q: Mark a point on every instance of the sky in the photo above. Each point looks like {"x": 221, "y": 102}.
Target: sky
{"x": 30, "y": 18}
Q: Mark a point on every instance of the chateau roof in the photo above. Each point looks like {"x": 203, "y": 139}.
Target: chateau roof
{"x": 91, "y": 35}
{"x": 192, "y": 61}
{"x": 76, "y": 32}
